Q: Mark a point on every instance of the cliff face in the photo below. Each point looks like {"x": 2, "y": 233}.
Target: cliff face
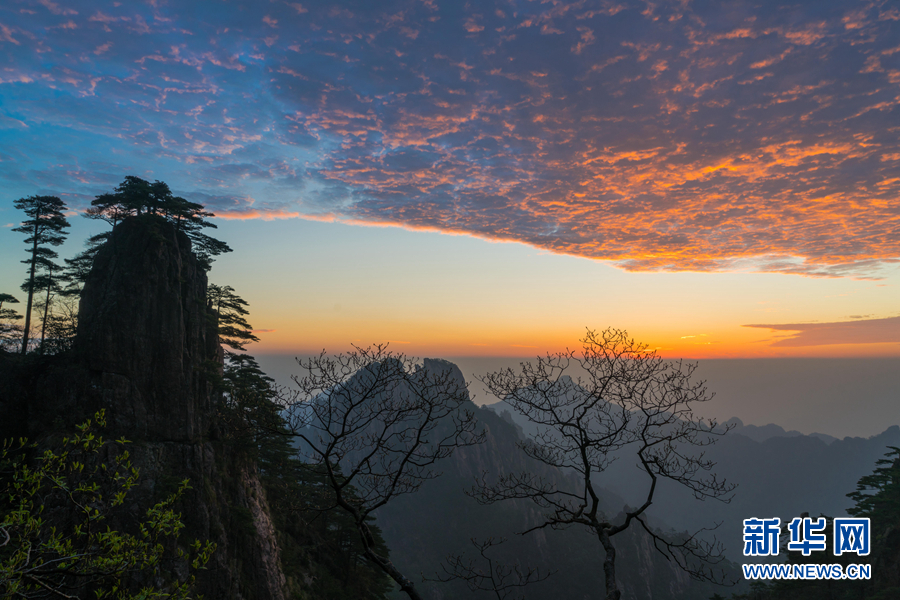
{"x": 147, "y": 352}
{"x": 146, "y": 335}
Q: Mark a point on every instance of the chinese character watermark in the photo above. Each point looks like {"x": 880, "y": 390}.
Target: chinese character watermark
{"x": 851, "y": 536}
{"x": 807, "y": 535}
{"x": 761, "y": 537}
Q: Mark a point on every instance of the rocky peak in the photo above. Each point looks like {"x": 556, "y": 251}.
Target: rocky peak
{"x": 148, "y": 347}
{"x": 146, "y": 334}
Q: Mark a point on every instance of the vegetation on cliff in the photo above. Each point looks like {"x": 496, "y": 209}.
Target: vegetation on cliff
{"x": 322, "y": 555}
{"x": 145, "y": 348}
{"x": 58, "y": 537}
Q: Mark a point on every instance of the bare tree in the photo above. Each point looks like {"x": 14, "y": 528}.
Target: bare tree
{"x": 630, "y": 401}
{"x": 374, "y": 424}
{"x": 503, "y": 581}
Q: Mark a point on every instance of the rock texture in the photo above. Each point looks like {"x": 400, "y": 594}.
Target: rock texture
{"x": 146, "y": 335}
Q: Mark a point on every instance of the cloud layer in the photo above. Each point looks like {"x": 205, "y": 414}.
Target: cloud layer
{"x": 864, "y": 331}
{"x": 661, "y": 136}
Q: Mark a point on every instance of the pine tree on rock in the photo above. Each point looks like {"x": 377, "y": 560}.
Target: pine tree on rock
{"x": 137, "y": 197}
{"x": 234, "y": 330}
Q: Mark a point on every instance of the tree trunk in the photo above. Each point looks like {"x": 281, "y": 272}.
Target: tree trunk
{"x": 609, "y": 566}
{"x": 383, "y": 563}
{"x": 46, "y": 309}
{"x": 30, "y": 292}
{"x": 368, "y": 541}
{"x": 388, "y": 567}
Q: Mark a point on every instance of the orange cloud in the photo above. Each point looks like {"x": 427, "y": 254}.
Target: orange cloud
{"x": 253, "y": 213}
{"x": 718, "y": 139}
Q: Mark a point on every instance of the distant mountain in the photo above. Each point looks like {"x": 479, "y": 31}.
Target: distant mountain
{"x": 784, "y": 477}
{"x": 762, "y": 433}
{"x": 421, "y": 529}
{"x": 779, "y": 474}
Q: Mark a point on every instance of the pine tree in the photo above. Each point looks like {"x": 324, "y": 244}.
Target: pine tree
{"x": 49, "y": 285}
{"x": 45, "y": 227}
{"x": 315, "y": 537}
{"x": 9, "y": 330}
{"x": 136, "y": 197}
{"x": 317, "y": 540}
{"x": 877, "y": 495}
{"x": 234, "y": 330}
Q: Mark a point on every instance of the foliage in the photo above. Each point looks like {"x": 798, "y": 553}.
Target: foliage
{"x": 44, "y": 227}
{"x": 631, "y": 401}
{"x": 57, "y": 535}
{"x": 137, "y": 197}
{"x": 231, "y": 310}
{"x": 79, "y": 266}
{"x": 877, "y": 495}
{"x": 10, "y": 331}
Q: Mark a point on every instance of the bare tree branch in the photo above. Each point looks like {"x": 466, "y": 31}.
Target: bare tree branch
{"x": 503, "y": 581}
{"x": 630, "y": 402}
{"x": 377, "y": 423}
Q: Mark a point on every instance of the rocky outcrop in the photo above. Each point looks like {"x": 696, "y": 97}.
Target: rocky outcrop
{"x": 149, "y": 344}
{"x": 147, "y": 352}
{"x": 146, "y": 335}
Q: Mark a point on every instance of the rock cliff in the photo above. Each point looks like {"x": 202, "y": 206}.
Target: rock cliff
{"x": 146, "y": 336}
{"x": 147, "y": 352}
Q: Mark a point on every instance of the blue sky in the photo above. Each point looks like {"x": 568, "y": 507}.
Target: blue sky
{"x": 719, "y": 178}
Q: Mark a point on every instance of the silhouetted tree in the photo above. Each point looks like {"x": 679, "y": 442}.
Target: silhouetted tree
{"x": 877, "y": 495}
{"x": 61, "y": 324}
{"x": 373, "y": 425}
{"x": 48, "y": 284}
{"x": 44, "y": 227}
{"x": 298, "y": 494}
{"x": 234, "y": 330}
{"x": 485, "y": 574}
{"x": 136, "y": 197}
{"x": 9, "y": 329}
{"x": 190, "y": 217}
{"x": 630, "y": 401}
{"x": 79, "y": 266}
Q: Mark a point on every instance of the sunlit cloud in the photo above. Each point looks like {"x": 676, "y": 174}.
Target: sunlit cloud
{"x": 265, "y": 215}
{"x": 863, "y": 331}
{"x": 679, "y": 137}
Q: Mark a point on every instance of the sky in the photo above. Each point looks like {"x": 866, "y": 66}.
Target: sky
{"x": 721, "y": 179}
